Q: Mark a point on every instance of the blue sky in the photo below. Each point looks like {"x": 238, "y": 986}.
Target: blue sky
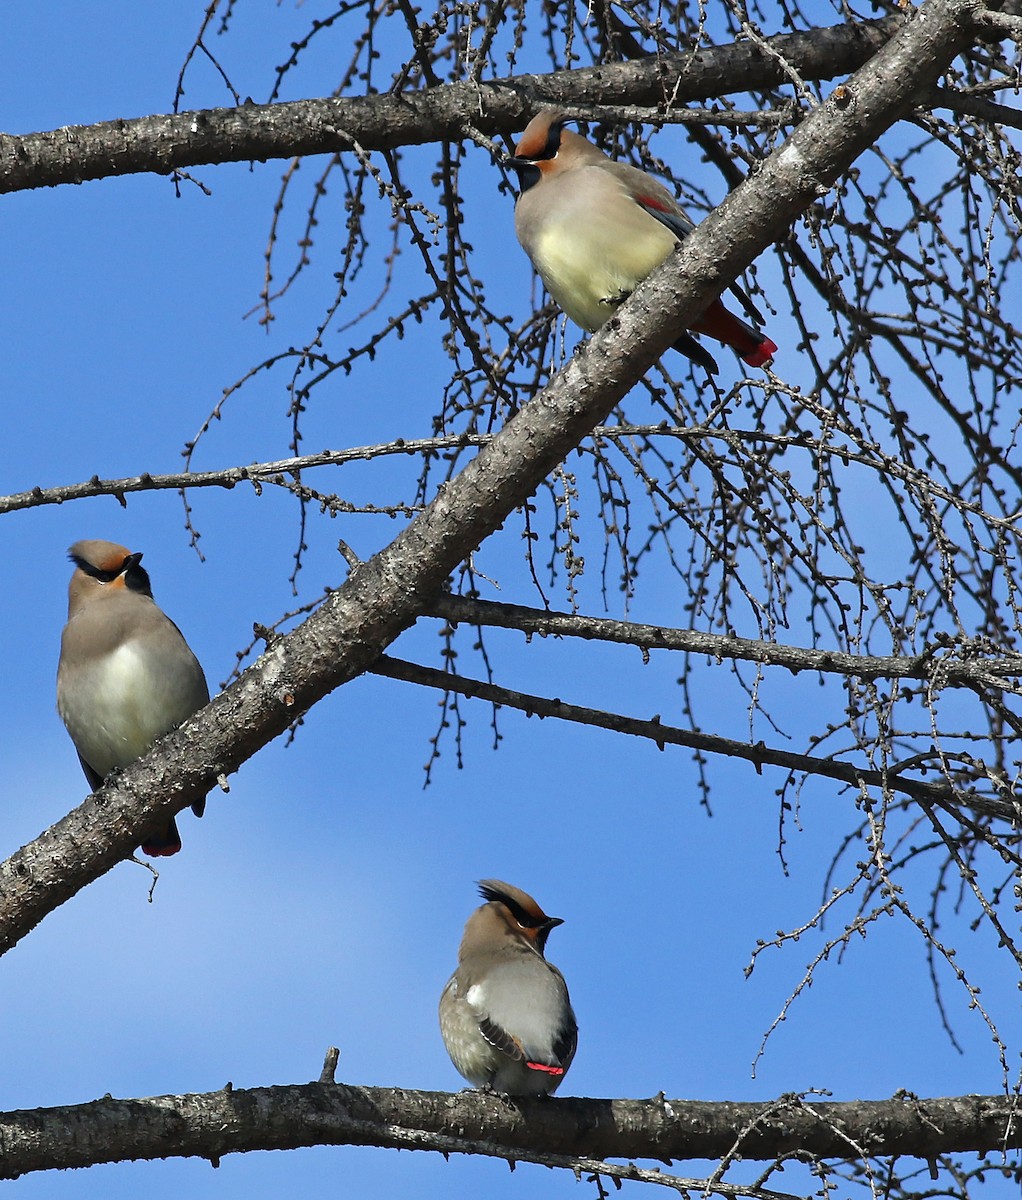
{"x": 322, "y": 900}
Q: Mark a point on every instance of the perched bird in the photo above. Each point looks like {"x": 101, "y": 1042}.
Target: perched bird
{"x": 505, "y": 1015}
{"x": 595, "y": 228}
{"x": 126, "y": 675}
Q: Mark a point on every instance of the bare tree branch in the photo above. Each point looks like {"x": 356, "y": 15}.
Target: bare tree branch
{"x": 383, "y": 596}
{"x": 162, "y": 144}
{"x": 758, "y": 753}
{"x": 947, "y": 664}
{"x": 284, "y": 472}
{"x": 281, "y": 472}
{"x": 211, "y": 1124}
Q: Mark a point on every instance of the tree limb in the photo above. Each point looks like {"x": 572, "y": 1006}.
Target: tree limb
{"x": 946, "y": 665}
{"x": 211, "y": 1124}
{"x": 384, "y": 596}
{"x": 162, "y": 144}
{"x": 275, "y": 472}
{"x": 758, "y": 753}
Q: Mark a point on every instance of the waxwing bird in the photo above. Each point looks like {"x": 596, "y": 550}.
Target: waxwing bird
{"x": 126, "y": 674}
{"x": 505, "y": 1014}
{"x": 595, "y": 228}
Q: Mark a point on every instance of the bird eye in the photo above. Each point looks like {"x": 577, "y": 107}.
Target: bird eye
{"x": 96, "y": 572}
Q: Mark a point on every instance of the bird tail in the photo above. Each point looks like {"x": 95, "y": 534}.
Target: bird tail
{"x": 163, "y": 843}
{"x": 688, "y": 346}
{"x": 749, "y": 344}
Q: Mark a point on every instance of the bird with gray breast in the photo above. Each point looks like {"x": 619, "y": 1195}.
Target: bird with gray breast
{"x": 126, "y": 673}
{"x": 505, "y": 1015}
{"x": 595, "y": 228}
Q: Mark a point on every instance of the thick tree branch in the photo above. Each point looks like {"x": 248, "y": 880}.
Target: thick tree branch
{"x": 162, "y": 144}
{"x": 385, "y": 595}
{"x": 940, "y": 794}
{"x": 946, "y": 665}
{"x": 212, "y": 1124}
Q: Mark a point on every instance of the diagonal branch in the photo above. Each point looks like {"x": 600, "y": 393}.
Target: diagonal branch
{"x": 758, "y": 753}
{"x": 386, "y": 594}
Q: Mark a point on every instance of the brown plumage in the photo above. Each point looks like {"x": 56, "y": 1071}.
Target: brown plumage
{"x": 126, "y": 675}
{"x": 595, "y": 228}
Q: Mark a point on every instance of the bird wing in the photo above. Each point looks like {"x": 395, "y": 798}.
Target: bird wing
{"x": 660, "y": 204}
{"x": 665, "y": 209}
{"x": 94, "y": 777}
{"x": 746, "y": 303}
{"x": 524, "y": 1012}
{"x": 500, "y": 1039}
{"x": 565, "y": 1045}
{"x": 563, "y": 1050}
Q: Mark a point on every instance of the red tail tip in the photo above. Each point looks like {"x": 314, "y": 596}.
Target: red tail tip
{"x": 762, "y": 355}
{"x": 160, "y": 849}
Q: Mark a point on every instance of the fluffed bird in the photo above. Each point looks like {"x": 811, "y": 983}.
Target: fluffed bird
{"x": 595, "y": 228}
{"x": 505, "y": 1014}
{"x": 126, "y": 674}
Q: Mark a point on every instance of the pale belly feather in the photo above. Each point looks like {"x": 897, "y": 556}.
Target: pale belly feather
{"x": 121, "y": 708}
{"x": 589, "y": 263}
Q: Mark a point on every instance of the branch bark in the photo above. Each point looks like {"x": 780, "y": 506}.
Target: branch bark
{"x": 760, "y": 755}
{"x": 260, "y": 473}
{"x": 943, "y": 666}
{"x": 212, "y": 1124}
{"x": 385, "y": 595}
{"x": 276, "y": 472}
{"x": 162, "y": 144}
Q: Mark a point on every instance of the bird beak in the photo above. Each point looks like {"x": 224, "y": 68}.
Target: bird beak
{"x": 528, "y": 171}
